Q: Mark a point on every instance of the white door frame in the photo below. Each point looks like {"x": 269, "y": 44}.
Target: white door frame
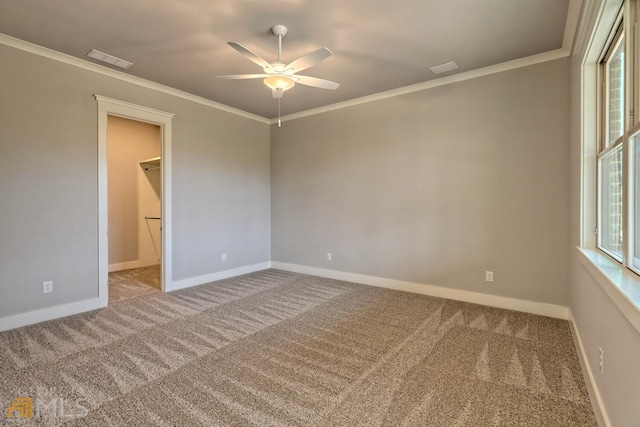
{"x": 112, "y": 107}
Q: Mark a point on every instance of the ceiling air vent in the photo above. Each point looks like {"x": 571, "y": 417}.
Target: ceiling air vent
{"x": 443, "y": 68}
{"x": 109, "y": 59}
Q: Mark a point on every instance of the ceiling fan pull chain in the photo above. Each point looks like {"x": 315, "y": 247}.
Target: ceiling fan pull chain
{"x": 279, "y": 121}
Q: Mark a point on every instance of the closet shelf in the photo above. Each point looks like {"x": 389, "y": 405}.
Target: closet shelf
{"x": 150, "y": 164}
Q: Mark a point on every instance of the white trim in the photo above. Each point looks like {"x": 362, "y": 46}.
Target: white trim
{"x": 96, "y": 68}
{"x": 598, "y": 17}
{"x": 106, "y": 107}
{"x": 621, "y": 285}
{"x": 492, "y": 69}
{"x": 587, "y": 366}
{"x": 533, "y": 307}
{"x": 52, "y": 313}
{"x": 480, "y": 72}
{"x": 540, "y": 308}
{"x": 49, "y": 313}
{"x": 571, "y": 25}
{"x": 207, "y": 278}
{"x": 589, "y": 15}
{"x": 127, "y": 106}
{"x": 124, "y": 266}
{"x": 588, "y": 138}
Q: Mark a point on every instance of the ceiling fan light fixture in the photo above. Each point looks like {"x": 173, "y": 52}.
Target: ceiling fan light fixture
{"x": 279, "y": 82}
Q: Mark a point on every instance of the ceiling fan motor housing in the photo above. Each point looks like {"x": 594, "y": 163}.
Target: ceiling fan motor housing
{"x": 279, "y": 30}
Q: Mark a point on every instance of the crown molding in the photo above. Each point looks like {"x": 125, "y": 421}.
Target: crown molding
{"x": 473, "y": 74}
{"x": 571, "y": 24}
{"x": 90, "y": 66}
{"x": 481, "y": 72}
{"x": 589, "y": 16}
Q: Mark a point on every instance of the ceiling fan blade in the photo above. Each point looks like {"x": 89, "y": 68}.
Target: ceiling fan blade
{"x": 242, "y": 76}
{"x": 310, "y": 59}
{"x": 315, "y": 82}
{"x": 250, "y": 55}
{"x": 277, "y": 93}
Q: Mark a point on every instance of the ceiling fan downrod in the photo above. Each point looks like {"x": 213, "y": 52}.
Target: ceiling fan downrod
{"x": 280, "y": 31}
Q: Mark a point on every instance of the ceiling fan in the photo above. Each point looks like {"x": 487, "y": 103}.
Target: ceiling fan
{"x": 279, "y": 76}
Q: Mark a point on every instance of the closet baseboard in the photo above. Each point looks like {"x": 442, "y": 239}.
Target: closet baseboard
{"x": 124, "y": 266}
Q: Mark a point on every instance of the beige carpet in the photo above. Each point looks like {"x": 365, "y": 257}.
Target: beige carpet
{"x": 280, "y": 349}
{"x": 133, "y": 283}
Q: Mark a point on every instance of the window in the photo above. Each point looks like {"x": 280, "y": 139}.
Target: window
{"x": 614, "y": 81}
{"x": 618, "y": 226}
{"x": 610, "y": 168}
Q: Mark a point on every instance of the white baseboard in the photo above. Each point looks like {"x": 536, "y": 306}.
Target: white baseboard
{"x": 124, "y": 266}
{"x": 533, "y": 307}
{"x": 50, "y": 313}
{"x": 201, "y": 280}
{"x": 587, "y": 366}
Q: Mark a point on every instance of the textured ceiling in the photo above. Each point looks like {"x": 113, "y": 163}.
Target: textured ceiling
{"x": 378, "y": 45}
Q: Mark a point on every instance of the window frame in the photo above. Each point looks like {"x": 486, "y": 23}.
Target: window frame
{"x": 613, "y": 42}
{"x": 623, "y": 28}
{"x": 600, "y": 217}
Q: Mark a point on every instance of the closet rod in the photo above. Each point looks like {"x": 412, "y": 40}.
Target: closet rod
{"x": 152, "y": 217}
{"x": 155, "y": 167}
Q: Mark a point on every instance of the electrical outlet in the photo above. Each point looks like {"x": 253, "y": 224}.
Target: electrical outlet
{"x": 224, "y": 257}
{"x": 601, "y": 360}
{"x": 328, "y": 256}
{"x": 47, "y": 287}
{"x": 488, "y": 276}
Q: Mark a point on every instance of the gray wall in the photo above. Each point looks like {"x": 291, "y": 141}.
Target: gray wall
{"x": 48, "y": 172}
{"x": 130, "y": 142}
{"x": 601, "y": 325}
{"x": 434, "y": 187}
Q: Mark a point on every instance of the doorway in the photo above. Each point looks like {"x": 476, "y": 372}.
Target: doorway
{"x": 134, "y": 165}
{"x": 154, "y": 173}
